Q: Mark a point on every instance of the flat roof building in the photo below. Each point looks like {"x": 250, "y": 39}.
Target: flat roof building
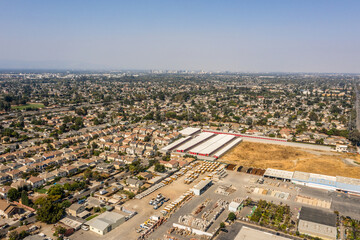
{"x": 348, "y": 184}
{"x": 314, "y": 180}
{"x": 105, "y": 222}
{"x": 201, "y": 187}
{"x": 247, "y": 233}
{"x": 226, "y": 148}
{"x": 189, "y": 131}
{"x": 175, "y": 144}
{"x": 212, "y": 145}
{"x": 194, "y": 142}
{"x": 317, "y": 223}
{"x": 279, "y": 174}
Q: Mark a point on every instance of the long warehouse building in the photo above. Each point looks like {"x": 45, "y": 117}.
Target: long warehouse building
{"x": 212, "y": 145}
{"x": 175, "y": 144}
{"x": 195, "y": 141}
{"x": 203, "y": 145}
{"x": 223, "y": 150}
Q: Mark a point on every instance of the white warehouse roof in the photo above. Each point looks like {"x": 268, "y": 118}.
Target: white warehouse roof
{"x": 223, "y": 150}
{"x": 202, "y": 184}
{"x": 202, "y": 136}
{"x": 104, "y": 220}
{"x": 218, "y": 144}
{"x": 276, "y": 173}
{"x": 175, "y": 144}
{"x": 189, "y": 131}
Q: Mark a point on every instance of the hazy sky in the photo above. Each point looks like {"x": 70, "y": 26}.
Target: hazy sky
{"x": 269, "y": 35}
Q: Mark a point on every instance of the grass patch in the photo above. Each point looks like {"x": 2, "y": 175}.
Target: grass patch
{"x": 42, "y": 190}
{"x": 30, "y": 105}
{"x": 91, "y": 217}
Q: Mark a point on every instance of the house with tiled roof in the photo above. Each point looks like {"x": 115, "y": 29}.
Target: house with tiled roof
{"x": 8, "y": 209}
{"x": 36, "y": 182}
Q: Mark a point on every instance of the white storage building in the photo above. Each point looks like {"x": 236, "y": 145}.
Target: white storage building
{"x": 105, "y": 222}
{"x": 278, "y": 174}
{"x": 226, "y": 148}
{"x": 212, "y": 145}
{"x": 189, "y": 131}
{"x": 201, "y": 187}
{"x": 234, "y": 206}
{"x": 175, "y": 144}
{"x": 195, "y": 141}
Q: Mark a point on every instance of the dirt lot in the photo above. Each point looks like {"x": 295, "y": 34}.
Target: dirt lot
{"x": 293, "y": 159}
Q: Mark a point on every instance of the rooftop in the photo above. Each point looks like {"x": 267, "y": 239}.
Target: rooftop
{"x": 102, "y": 221}
{"x": 251, "y": 234}
{"x": 318, "y": 216}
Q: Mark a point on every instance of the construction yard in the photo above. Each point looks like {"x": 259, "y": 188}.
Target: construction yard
{"x": 263, "y": 155}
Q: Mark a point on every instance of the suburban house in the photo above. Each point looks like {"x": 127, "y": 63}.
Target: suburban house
{"x": 8, "y": 209}
{"x": 36, "y": 182}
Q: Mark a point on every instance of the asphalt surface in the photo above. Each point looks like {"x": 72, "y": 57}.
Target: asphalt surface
{"x": 347, "y": 205}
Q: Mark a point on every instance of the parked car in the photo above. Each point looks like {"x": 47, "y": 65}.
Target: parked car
{"x": 4, "y": 226}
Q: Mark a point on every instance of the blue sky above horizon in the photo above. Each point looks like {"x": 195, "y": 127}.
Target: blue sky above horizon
{"x": 253, "y": 35}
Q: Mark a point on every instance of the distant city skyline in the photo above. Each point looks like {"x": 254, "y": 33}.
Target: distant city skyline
{"x": 236, "y": 36}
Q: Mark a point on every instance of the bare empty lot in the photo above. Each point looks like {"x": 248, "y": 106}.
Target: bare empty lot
{"x": 263, "y": 155}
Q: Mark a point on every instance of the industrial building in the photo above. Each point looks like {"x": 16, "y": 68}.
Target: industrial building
{"x": 105, "y": 222}
{"x": 175, "y": 144}
{"x": 190, "y": 131}
{"x": 203, "y": 144}
{"x": 346, "y": 184}
{"x": 278, "y": 174}
{"x": 201, "y": 187}
{"x": 317, "y": 223}
{"x": 331, "y": 183}
{"x": 247, "y": 233}
{"x": 234, "y": 206}
{"x": 314, "y": 180}
{"x": 194, "y": 142}
{"x": 228, "y": 147}
{"x": 212, "y": 145}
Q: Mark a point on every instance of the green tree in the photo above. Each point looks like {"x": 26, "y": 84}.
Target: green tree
{"x": 13, "y": 194}
{"x": 159, "y": 168}
{"x": 354, "y": 137}
{"x": 231, "y": 216}
{"x": 56, "y": 192}
{"x": 59, "y": 231}
{"x": 49, "y": 212}
{"x": 24, "y": 198}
